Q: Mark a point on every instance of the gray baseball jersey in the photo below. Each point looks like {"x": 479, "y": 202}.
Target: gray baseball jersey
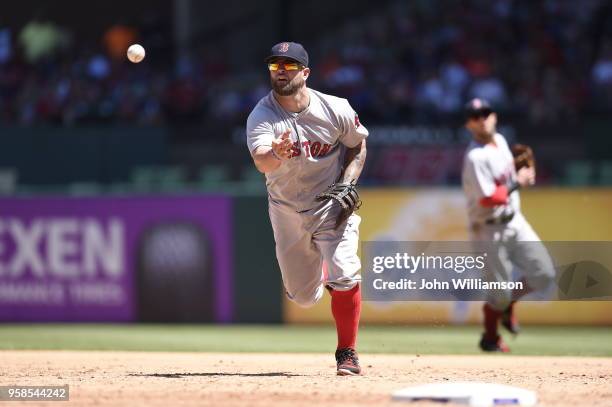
{"x": 484, "y": 168}
{"x": 515, "y": 243}
{"x": 319, "y": 133}
{"x": 303, "y": 227}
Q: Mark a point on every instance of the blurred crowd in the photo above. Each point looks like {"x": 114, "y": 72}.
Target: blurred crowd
{"x": 48, "y": 76}
{"x": 546, "y": 61}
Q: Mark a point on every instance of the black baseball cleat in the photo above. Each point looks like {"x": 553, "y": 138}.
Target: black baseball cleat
{"x": 347, "y": 362}
{"x": 510, "y": 321}
{"x": 496, "y": 345}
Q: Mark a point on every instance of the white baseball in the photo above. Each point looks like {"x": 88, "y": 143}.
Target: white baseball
{"x": 136, "y": 53}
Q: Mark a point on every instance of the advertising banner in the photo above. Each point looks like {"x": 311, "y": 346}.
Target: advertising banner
{"x": 579, "y": 218}
{"x": 115, "y": 259}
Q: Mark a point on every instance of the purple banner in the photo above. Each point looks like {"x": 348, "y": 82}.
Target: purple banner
{"x": 109, "y": 259}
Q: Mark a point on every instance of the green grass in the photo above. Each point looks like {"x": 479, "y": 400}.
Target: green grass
{"x": 575, "y": 341}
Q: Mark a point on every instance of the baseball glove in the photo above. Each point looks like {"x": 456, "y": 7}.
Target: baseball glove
{"x": 344, "y": 195}
{"x": 523, "y": 156}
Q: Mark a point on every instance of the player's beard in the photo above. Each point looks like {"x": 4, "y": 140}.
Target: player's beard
{"x": 288, "y": 88}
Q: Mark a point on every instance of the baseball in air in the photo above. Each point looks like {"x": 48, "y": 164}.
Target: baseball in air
{"x": 136, "y": 53}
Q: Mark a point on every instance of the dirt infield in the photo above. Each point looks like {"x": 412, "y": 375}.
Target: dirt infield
{"x": 240, "y": 379}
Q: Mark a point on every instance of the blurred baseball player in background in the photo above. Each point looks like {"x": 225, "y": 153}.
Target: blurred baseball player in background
{"x": 311, "y": 148}
{"x": 491, "y": 178}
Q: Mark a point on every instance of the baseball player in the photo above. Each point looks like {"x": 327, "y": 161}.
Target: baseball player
{"x": 491, "y": 183}
{"x": 311, "y": 148}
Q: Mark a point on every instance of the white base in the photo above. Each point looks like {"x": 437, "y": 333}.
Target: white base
{"x": 470, "y": 393}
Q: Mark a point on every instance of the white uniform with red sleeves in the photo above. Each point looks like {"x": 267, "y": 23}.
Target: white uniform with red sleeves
{"x": 485, "y": 168}
{"x": 304, "y": 228}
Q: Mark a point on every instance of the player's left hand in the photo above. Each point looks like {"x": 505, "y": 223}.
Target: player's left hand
{"x": 523, "y": 156}
{"x": 346, "y": 196}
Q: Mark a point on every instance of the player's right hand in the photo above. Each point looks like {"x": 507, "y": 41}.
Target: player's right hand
{"x": 282, "y": 146}
{"x": 526, "y": 176}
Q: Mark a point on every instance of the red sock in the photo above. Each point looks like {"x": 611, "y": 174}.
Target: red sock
{"x": 346, "y": 309}
{"x": 491, "y": 317}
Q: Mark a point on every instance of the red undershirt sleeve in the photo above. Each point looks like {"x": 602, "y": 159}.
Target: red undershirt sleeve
{"x": 499, "y": 197}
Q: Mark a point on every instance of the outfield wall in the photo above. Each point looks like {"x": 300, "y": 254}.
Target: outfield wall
{"x": 210, "y": 258}
{"x": 116, "y": 259}
{"x": 140, "y": 258}
{"x": 439, "y": 214}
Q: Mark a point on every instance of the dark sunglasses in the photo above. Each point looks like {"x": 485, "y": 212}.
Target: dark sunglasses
{"x": 480, "y": 114}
